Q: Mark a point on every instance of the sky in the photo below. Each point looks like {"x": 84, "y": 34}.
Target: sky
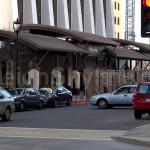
{"x": 137, "y": 21}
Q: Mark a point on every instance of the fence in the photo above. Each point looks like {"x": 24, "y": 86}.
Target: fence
{"x": 102, "y": 81}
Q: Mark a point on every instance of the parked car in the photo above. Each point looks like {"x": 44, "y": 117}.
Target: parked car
{"x": 120, "y": 97}
{"x": 141, "y": 100}
{"x": 6, "y": 105}
{"x": 60, "y": 96}
{"x": 27, "y": 98}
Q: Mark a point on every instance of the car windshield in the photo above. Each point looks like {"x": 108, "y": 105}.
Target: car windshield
{"x": 15, "y": 91}
{"x": 5, "y": 93}
{"x": 144, "y": 89}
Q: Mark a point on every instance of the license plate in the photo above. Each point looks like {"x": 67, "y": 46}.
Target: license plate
{"x": 147, "y": 99}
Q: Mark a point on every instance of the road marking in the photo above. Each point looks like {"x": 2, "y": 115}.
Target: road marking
{"x": 49, "y": 133}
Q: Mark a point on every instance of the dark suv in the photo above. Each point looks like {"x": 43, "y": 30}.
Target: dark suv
{"x": 27, "y": 98}
{"x": 141, "y": 100}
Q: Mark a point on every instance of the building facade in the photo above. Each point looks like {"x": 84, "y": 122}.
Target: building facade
{"x": 117, "y": 4}
{"x": 83, "y": 15}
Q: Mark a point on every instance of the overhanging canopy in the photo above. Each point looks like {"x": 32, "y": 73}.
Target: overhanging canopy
{"x": 41, "y": 42}
{"x": 76, "y": 35}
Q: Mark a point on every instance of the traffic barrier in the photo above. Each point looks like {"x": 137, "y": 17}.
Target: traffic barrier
{"x": 77, "y": 100}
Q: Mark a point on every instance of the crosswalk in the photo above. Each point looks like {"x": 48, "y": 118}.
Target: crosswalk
{"x": 49, "y": 133}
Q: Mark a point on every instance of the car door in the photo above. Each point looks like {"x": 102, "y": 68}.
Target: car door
{"x": 60, "y": 95}
{"x": 5, "y": 100}
{"x": 121, "y": 97}
{"x": 31, "y": 97}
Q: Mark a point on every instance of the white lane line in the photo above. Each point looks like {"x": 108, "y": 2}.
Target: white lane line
{"x": 59, "y": 138}
{"x": 49, "y": 133}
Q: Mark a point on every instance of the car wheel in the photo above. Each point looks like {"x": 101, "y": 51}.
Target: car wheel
{"x": 137, "y": 114}
{"x": 102, "y": 104}
{"x": 7, "y": 115}
{"x": 55, "y": 103}
{"x": 69, "y": 102}
{"x": 22, "y": 106}
{"x": 40, "y": 105}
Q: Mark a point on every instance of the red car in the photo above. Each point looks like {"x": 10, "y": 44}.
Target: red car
{"x": 141, "y": 100}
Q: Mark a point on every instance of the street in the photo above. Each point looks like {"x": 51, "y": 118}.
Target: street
{"x": 75, "y": 127}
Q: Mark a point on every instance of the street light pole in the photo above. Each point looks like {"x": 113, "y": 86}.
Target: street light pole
{"x": 17, "y": 29}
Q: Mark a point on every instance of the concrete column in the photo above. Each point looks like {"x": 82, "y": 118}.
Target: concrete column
{"x": 88, "y": 17}
{"x": 29, "y": 12}
{"x": 76, "y": 77}
{"x": 110, "y": 32}
{"x": 62, "y": 14}
{"x": 56, "y": 78}
{"x": 33, "y": 78}
{"x": 47, "y": 12}
{"x": 0, "y": 73}
{"x": 100, "y": 28}
{"x": 10, "y": 78}
{"x": 69, "y": 76}
{"x": 76, "y": 15}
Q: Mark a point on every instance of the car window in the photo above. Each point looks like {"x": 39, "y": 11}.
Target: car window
{"x": 1, "y": 95}
{"x": 12, "y": 92}
{"x": 132, "y": 89}
{"x": 43, "y": 92}
{"x": 144, "y": 89}
{"x": 5, "y": 93}
{"x": 30, "y": 91}
{"x": 18, "y": 91}
{"x": 123, "y": 90}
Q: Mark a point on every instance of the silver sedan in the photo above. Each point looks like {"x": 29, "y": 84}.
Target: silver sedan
{"x": 120, "y": 97}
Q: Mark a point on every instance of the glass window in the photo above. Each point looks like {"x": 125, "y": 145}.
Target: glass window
{"x": 132, "y": 89}
{"x": 123, "y": 90}
{"x": 43, "y": 92}
{"x": 115, "y": 5}
{"x": 18, "y": 91}
{"x": 118, "y": 21}
{"x": 144, "y": 89}
{"x": 5, "y": 93}
{"x": 30, "y": 91}
{"x": 115, "y": 20}
{"x": 118, "y": 6}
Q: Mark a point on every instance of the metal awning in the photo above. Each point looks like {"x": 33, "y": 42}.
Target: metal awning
{"x": 41, "y": 42}
{"x": 142, "y": 46}
{"x": 124, "y": 53}
{"x": 76, "y": 35}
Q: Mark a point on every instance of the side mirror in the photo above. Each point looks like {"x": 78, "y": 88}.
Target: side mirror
{"x": 115, "y": 93}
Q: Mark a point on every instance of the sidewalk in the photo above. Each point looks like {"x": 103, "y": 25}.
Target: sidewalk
{"x": 139, "y": 136}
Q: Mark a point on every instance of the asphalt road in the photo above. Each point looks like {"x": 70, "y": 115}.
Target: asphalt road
{"x": 69, "y": 128}
{"x": 61, "y": 144}
{"x": 77, "y": 117}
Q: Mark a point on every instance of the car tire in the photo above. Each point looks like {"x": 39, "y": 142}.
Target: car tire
{"x": 102, "y": 104}
{"x": 69, "y": 102}
{"x": 40, "y": 105}
{"x": 22, "y": 106}
{"x": 7, "y": 115}
{"x": 137, "y": 114}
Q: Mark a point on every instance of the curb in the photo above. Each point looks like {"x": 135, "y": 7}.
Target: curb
{"x": 132, "y": 140}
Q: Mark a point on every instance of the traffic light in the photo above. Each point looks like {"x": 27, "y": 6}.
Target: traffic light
{"x": 145, "y": 18}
